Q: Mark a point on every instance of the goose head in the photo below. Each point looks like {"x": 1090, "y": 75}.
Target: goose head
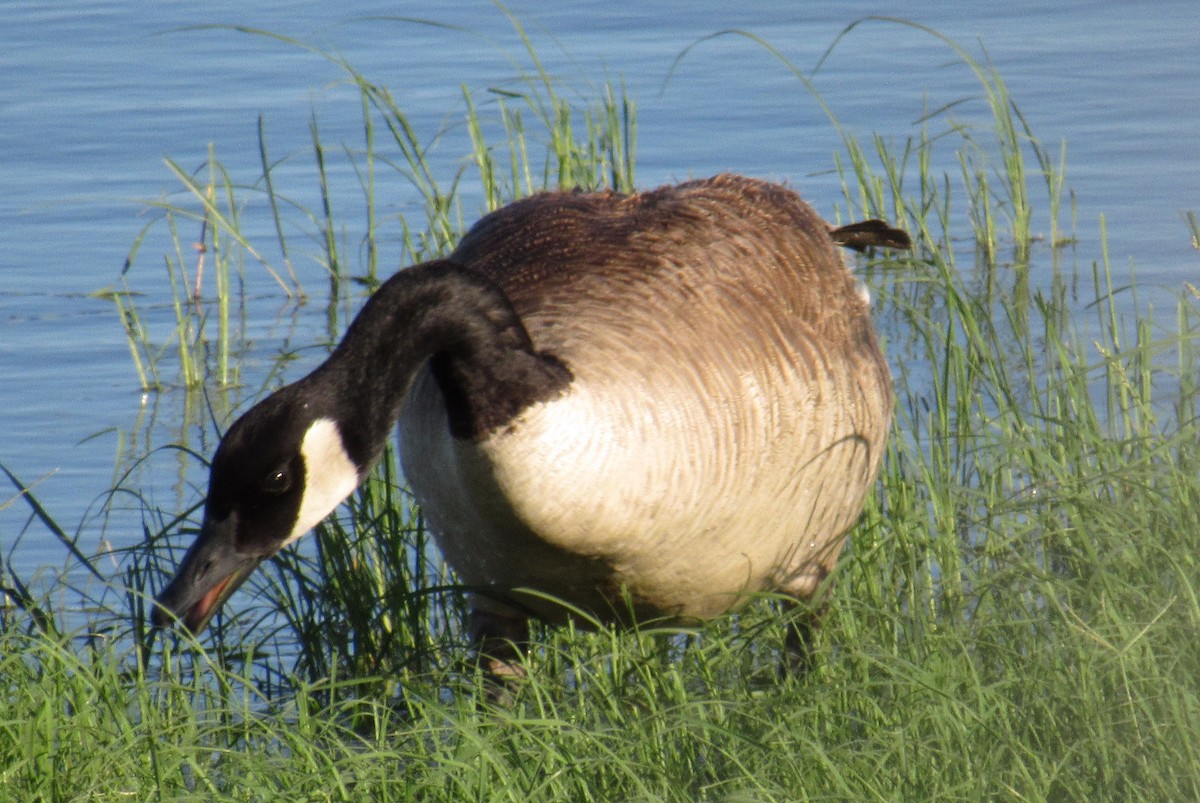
{"x": 279, "y": 470}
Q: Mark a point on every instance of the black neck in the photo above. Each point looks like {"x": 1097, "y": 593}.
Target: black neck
{"x": 464, "y": 327}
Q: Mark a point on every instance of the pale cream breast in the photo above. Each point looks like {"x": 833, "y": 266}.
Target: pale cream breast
{"x": 685, "y": 489}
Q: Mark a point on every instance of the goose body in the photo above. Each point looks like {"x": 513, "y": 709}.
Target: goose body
{"x": 725, "y": 420}
{"x": 653, "y": 404}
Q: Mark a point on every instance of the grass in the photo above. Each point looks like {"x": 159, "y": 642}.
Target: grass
{"x": 1015, "y": 617}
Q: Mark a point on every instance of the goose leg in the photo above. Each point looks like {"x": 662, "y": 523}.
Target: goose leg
{"x": 499, "y": 639}
{"x": 802, "y": 622}
{"x": 808, "y": 600}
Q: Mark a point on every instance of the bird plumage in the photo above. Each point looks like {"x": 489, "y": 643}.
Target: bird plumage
{"x": 645, "y": 405}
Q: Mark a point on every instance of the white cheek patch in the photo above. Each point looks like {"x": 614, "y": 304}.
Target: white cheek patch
{"x": 330, "y": 476}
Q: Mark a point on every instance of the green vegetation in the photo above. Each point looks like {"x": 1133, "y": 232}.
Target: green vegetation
{"x": 1015, "y": 618}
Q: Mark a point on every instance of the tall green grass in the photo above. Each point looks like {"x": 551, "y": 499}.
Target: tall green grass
{"x": 1015, "y": 617}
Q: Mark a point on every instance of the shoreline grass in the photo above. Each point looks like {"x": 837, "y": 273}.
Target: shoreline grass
{"x": 1015, "y": 616}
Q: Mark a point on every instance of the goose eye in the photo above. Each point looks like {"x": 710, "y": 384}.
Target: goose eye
{"x": 277, "y": 482}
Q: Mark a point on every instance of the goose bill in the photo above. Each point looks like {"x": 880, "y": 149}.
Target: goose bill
{"x": 209, "y": 574}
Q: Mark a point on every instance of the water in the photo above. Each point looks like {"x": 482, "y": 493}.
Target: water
{"x": 95, "y": 94}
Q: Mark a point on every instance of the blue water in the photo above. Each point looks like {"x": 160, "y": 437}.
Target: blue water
{"x": 93, "y": 95}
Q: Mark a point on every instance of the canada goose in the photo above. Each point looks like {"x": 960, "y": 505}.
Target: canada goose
{"x": 647, "y": 405}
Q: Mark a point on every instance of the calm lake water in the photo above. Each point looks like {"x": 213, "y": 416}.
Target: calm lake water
{"x": 93, "y": 95}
